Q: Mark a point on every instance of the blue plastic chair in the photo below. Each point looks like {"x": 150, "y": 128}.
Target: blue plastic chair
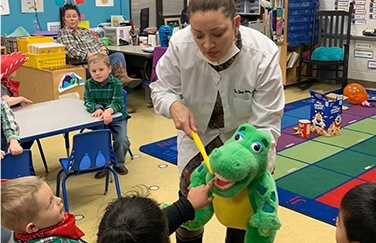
{"x": 91, "y": 152}
{"x": 14, "y": 166}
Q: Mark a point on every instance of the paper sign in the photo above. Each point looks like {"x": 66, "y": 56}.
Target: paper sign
{"x": 4, "y": 7}
{"x": 363, "y": 45}
{"x": 371, "y": 64}
{"x": 28, "y": 6}
{"x": 104, "y": 3}
{"x": 363, "y": 54}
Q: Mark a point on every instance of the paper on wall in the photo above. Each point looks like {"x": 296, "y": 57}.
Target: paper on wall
{"x": 104, "y": 3}
{"x": 32, "y": 6}
{"x": 5, "y": 7}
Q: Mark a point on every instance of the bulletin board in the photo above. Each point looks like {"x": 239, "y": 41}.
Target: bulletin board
{"x": 364, "y": 14}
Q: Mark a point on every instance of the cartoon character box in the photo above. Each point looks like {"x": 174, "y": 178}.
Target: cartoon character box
{"x": 326, "y": 114}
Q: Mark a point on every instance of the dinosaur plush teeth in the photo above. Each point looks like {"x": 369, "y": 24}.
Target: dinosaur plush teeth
{"x": 222, "y": 183}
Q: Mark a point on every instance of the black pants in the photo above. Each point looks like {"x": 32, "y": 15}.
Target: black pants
{"x": 184, "y": 236}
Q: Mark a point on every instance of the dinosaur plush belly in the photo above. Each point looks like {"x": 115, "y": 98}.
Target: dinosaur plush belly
{"x": 233, "y": 212}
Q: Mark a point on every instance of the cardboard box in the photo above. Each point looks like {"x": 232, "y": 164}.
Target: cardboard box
{"x": 41, "y": 85}
{"x": 326, "y": 114}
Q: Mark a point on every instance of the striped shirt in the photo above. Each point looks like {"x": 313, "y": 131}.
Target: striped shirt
{"x": 9, "y": 125}
{"x": 104, "y": 95}
{"x": 79, "y": 43}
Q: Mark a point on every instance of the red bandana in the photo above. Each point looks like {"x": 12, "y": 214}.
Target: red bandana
{"x": 66, "y": 228}
{"x": 12, "y": 86}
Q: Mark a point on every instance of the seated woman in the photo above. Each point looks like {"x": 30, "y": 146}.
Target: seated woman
{"x": 81, "y": 44}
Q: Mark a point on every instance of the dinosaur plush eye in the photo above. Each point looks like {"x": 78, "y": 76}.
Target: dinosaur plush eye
{"x": 239, "y": 137}
{"x": 256, "y": 146}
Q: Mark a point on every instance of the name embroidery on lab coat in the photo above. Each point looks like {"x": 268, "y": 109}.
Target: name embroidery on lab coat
{"x": 238, "y": 91}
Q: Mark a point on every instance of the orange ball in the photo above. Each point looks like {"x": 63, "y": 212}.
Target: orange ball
{"x": 355, "y": 93}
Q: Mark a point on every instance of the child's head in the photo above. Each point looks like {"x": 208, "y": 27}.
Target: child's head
{"x": 10, "y": 63}
{"x": 28, "y": 205}
{"x": 99, "y": 67}
{"x": 357, "y": 216}
{"x": 133, "y": 219}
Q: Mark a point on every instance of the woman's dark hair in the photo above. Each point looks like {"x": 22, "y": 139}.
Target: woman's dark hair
{"x": 228, "y": 7}
{"x": 358, "y": 208}
{"x": 64, "y": 9}
{"x": 133, "y": 219}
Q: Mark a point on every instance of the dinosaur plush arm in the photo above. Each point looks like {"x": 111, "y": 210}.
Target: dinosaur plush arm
{"x": 199, "y": 177}
{"x": 265, "y": 195}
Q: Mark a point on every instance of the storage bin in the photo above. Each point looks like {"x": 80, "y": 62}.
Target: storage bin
{"x": 10, "y": 44}
{"x": 24, "y": 41}
{"x": 117, "y": 33}
{"x": 46, "y": 61}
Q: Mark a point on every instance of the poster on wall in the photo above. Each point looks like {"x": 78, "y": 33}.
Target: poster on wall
{"x": 32, "y": 6}
{"x": 104, "y": 3}
{"x": 5, "y": 7}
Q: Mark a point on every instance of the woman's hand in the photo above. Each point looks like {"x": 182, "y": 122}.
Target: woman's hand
{"x": 183, "y": 118}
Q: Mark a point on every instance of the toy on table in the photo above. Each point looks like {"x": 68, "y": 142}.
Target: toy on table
{"x": 356, "y": 93}
{"x": 244, "y": 192}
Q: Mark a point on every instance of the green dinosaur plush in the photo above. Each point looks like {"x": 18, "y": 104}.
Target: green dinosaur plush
{"x": 244, "y": 192}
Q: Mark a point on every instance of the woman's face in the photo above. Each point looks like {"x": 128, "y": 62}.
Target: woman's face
{"x": 214, "y": 33}
{"x": 71, "y": 19}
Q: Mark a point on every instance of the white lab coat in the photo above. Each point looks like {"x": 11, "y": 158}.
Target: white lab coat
{"x": 251, "y": 89}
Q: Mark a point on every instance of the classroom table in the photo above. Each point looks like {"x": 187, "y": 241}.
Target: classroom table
{"x": 54, "y": 117}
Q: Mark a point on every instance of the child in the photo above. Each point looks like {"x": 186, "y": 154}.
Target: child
{"x": 29, "y": 208}
{"x": 137, "y": 218}
{"x": 356, "y": 222}
{"x": 10, "y": 131}
{"x": 9, "y": 87}
{"x": 104, "y": 97}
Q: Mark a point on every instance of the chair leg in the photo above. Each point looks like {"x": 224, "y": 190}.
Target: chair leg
{"x": 42, "y": 155}
{"x": 107, "y": 181}
{"x": 66, "y": 138}
{"x": 65, "y": 196}
{"x": 117, "y": 185}
{"x": 130, "y": 153}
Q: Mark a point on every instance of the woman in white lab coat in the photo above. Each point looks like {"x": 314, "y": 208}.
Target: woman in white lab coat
{"x": 214, "y": 76}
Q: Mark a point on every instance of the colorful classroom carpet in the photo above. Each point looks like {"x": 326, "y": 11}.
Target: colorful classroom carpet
{"x": 312, "y": 175}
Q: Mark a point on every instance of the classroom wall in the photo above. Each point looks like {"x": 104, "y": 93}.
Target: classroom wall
{"x": 92, "y": 13}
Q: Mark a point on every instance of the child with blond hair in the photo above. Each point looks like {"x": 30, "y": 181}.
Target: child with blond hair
{"x": 104, "y": 97}
{"x": 30, "y": 209}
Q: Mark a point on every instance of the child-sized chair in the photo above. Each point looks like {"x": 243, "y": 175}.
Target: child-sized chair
{"x": 14, "y": 166}
{"x": 91, "y": 152}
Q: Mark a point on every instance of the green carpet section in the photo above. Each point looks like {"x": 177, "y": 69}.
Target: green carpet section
{"x": 312, "y": 181}
{"x": 366, "y": 125}
{"x": 286, "y": 166}
{"x": 373, "y": 117}
{"x": 310, "y": 151}
{"x": 347, "y": 138}
{"x": 368, "y": 147}
{"x": 348, "y": 162}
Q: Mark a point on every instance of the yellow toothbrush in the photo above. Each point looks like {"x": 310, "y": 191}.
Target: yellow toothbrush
{"x": 201, "y": 148}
